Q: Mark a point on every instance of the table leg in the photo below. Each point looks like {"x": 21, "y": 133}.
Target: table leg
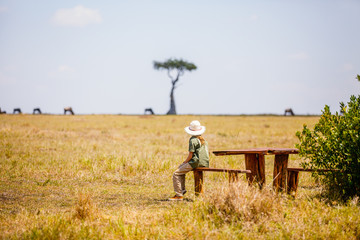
{"x": 199, "y": 180}
{"x": 292, "y": 182}
{"x": 280, "y": 172}
{"x": 256, "y": 164}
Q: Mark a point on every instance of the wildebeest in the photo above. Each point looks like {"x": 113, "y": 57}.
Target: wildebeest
{"x": 149, "y": 110}
{"x": 68, "y": 109}
{"x": 290, "y": 111}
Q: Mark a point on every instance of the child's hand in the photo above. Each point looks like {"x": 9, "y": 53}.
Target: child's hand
{"x": 189, "y": 157}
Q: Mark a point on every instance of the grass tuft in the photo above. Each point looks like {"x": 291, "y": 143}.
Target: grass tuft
{"x": 84, "y": 208}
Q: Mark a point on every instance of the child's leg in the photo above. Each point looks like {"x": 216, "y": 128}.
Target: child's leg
{"x": 179, "y": 178}
{"x": 183, "y": 184}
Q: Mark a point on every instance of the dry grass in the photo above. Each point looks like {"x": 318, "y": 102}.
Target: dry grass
{"x": 70, "y": 177}
{"x": 244, "y": 203}
{"x": 85, "y": 208}
{"x": 247, "y": 212}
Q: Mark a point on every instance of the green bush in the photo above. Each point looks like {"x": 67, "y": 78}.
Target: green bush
{"x": 334, "y": 143}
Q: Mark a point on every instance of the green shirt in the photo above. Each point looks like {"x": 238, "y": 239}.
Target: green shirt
{"x": 201, "y": 153}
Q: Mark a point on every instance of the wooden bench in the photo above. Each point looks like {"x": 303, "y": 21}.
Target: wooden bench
{"x": 293, "y": 178}
{"x": 199, "y": 176}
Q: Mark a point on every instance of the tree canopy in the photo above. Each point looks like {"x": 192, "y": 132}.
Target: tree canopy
{"x": 172, "y": 64}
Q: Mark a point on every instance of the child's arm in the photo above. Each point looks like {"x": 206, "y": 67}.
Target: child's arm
{"x": 189, "y": 157}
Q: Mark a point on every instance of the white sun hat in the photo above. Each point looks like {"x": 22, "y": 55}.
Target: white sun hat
{"x": 195, "y": 129}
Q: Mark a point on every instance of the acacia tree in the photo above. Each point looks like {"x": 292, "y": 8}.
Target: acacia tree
{"x": 175, "y": 69}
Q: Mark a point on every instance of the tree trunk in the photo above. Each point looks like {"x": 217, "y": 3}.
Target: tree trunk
{"x": 172, "y": 110}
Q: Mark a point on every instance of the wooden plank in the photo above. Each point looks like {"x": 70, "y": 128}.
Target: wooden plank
{"x": 264, "y": 151}
{"x": 203, "y": 169}
{"x": 281, "y": 151}
{"x": 241, "y": 151}
{"x": 280, "y": 172}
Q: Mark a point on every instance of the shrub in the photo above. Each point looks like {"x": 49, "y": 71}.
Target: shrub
{"x": 334, "y": 143}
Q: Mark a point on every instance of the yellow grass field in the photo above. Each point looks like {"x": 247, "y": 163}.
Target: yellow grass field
{"x": 108, "y": 177}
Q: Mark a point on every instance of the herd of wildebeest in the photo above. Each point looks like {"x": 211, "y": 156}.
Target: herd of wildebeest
{"x": 38, "y": 111}
{"x": 69, "y": 110}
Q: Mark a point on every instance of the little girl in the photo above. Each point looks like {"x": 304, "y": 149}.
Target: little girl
{"x": 198, "y": 157}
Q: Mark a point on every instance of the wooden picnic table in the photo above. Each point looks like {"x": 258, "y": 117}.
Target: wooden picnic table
{"x": 255, "y": 161}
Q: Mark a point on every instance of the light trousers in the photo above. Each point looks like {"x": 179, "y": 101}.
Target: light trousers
{"x": 179, "y": 178}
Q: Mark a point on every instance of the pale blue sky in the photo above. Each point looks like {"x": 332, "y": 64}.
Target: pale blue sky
{"x": 252, "y": 56}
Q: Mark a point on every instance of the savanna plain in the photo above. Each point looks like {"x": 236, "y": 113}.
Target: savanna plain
{"x": 109, "y": 177}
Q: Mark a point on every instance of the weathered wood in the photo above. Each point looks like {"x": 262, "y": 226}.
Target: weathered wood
{"x": 261, "y": 176}
{"x": 280, "y": 172}
{"x": 220, "y": 170}
{"x": 241, "y": 151}
{"x": 292, "y": 182}
{"x": 251, "y": 164}
{"x": 264, "y": 151}
{"x": 255, "y": 161}
{"x": 199, "y": 180}
{"x": 256, "y": 164}
{"x": 277, "y": 151}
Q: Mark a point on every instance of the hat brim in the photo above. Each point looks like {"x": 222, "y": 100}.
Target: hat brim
{"x": 195, "y": 133}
